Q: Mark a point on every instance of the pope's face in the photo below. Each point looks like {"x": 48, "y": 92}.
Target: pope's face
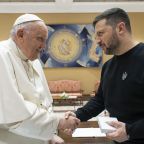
{"x": 106, "y": 37}
{"x": 34, "y": 40}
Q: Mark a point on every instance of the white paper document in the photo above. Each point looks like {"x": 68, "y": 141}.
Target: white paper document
{"x": 88, "y": 132}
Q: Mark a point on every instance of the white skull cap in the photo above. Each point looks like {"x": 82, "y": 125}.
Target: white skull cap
{"x": 26, "y": 18}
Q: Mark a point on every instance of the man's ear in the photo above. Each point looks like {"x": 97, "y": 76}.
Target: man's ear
{"x": 121, "y": 28}
{"x": 20, "y": 33}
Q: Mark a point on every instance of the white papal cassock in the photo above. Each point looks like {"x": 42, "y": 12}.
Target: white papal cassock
{"x": 25, "y": 99}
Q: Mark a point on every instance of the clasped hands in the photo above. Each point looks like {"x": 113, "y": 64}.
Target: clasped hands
{"x": 69, "y": 123}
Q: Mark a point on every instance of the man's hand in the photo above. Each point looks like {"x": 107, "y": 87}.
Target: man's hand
{"x": 70, "y": 123}
{"x": 120, "y": 134}
{"x": 69, "y": 113}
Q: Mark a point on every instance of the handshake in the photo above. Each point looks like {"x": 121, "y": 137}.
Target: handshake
{"x": 69, "y": 123}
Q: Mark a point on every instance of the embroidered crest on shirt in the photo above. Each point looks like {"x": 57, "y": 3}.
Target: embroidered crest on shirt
{"x": 124, "y": 75}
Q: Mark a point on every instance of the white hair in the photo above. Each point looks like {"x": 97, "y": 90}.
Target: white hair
{"x": 26, "y": 26}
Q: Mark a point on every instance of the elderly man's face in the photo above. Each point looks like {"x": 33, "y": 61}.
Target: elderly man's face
{"x": 34, "y": 39}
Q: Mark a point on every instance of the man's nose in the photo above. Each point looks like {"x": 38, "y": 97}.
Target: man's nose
{"x": 42, "y": 46}
{"x": 98, "y": 40}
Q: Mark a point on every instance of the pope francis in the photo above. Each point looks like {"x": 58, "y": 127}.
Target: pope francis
{"x": 26, "y": 115}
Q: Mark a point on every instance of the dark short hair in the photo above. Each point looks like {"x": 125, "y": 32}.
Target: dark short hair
{"x": 114, "y": 16}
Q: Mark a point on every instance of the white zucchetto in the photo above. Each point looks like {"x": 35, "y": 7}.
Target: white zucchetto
{"x": 26, "y": 18}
